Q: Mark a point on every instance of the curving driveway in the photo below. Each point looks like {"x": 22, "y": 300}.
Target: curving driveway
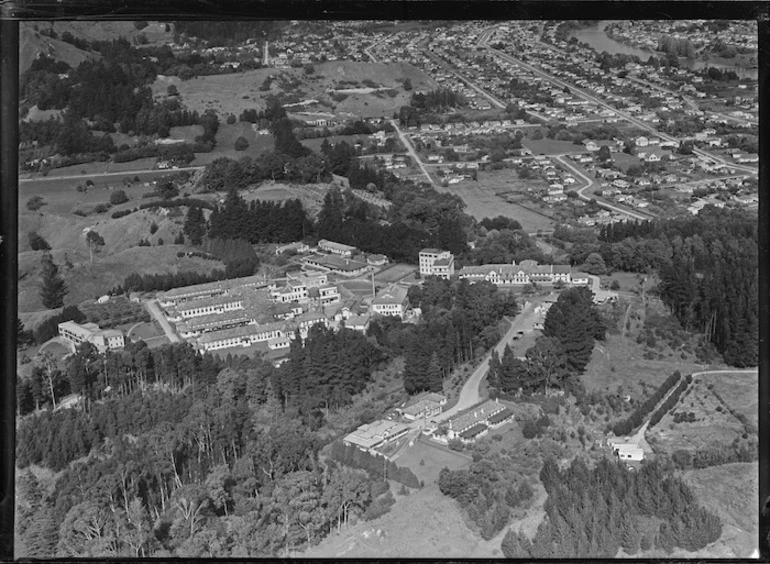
{"x": 469, "y": 394}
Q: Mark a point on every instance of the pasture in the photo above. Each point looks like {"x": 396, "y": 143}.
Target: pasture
{"x": 233, "y": 93}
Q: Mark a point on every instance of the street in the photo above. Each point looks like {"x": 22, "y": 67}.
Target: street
{"x": 469, "y": 395}
{"x": 408, "y": 144}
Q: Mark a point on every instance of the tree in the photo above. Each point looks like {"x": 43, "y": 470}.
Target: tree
{"x": 407, "y": 84}
{"x": 547, "y": 361}
{"x": 54, "y": 288}
{"x": 594, "y": 264}
{"x": 95, "y": 242}
{"x": 172, "y": 90}
{"x": 118, "y": 197}
{"x": 195, "y": 225}
{"x": 35, "y": 203}
{"x": 604, "y": 153}
{"x": 37, "y": 242}
{"x": 241, "y": 144}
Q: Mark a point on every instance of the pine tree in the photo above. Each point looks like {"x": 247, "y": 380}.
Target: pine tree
{"x": 54, "y": 288}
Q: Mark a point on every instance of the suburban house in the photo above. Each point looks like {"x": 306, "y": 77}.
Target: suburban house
{"x": 423, "y": 406}
{"x": 512, "y": 275}
{"x": 580, "y": 279}
{"x": 626, "y": 451}
{"x": 296, "y": 247}
{"x": 372, "y": 435}
{"x": 336, "y": 248}
{"x": 358, "y": 322}
{"x": 435, "y": 262}
{"x": 102, "y": 339}
{"x": 391, "y": 301}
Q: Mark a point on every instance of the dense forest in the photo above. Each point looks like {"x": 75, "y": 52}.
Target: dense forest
{"x": 594, "y": 512}
{"x": 172, "y": 453}
{"x": 708, "y": 268}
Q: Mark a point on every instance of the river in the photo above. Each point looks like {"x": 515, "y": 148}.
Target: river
{"x": 599, "y": 41}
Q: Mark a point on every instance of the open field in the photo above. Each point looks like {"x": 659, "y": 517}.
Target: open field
{"x": 714, "y": 426}
{"x": 547, "y": 146}
{"x": 146, "y": 330}
{"x": 424, "y": 524}
{"x": 740, "y": 391}
{"x": 426, "y": 460}
{"x": 232, "y": 93}
{"x": 62, "y": 198}
{"x": 481, "y": 201}
{"x": 86, "y": 281}
{"x": 731, "y": 492}
{"x": 315, "y": 144}
{"x": 619, "y": 361}
{"x": 227, "y": 135}
{"x": 394, "y": 273}
{"x": 311, "y": 195}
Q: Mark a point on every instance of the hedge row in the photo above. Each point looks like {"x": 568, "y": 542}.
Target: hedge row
{"x": 671, "y": 401}
{"x": 190, "y": 202}
{"x": 625, "y": 426}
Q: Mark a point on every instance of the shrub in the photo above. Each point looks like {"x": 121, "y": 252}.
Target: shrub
{"x": 153, "y": 228}
{"x": 231, "y": 119}
{"x": 37, "y": 242}
{"x": 101, "y": 208}
{"x": 118, "y": 197}
{"x": 241, "y": 144}
{"x": 35, "y": 203}
{"x": 123, "y": 213}
{"x": 456, "y": 445}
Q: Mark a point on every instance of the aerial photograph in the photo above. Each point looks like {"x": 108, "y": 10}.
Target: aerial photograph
{"x": 358, "y": 289}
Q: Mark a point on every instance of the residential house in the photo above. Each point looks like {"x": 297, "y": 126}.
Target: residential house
{"x": 423, "y": 406}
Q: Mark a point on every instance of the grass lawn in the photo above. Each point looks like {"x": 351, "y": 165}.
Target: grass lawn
{"x": 147, "y": 330}
{"x": 731, "y": 492}
{"x": 547, "y": 146}
{"x": 426, "y": 459}
{"x": 623, "y": 160}
{"x": 315, "y": 144}
{"x": 481, "y": 201}
{"x": 619, "y": 361}
{"x": 740, "y": 391}
{"x": 394, "y": 273}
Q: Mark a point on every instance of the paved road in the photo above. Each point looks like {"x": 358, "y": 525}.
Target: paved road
{"x": 98, "y": 174}
{"x": 408, "y": 144}
{"x": 628, "y": 117}
{"x": 589, "y": 183}
{"x": 469, "y": 395}
{"x": 638, "y": 437}
{"x": 154, "y": 309}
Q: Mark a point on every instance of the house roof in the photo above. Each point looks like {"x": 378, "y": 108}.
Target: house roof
{"x": 242, "y": 331}
{"x": 476, "y": 414}
{"x": 338, "y": 246}
{"x": 391, "y": 295}
{"x": 443, "y": 262}
{"x": 432, "y": 251}
{"x": 369, "y": 435}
